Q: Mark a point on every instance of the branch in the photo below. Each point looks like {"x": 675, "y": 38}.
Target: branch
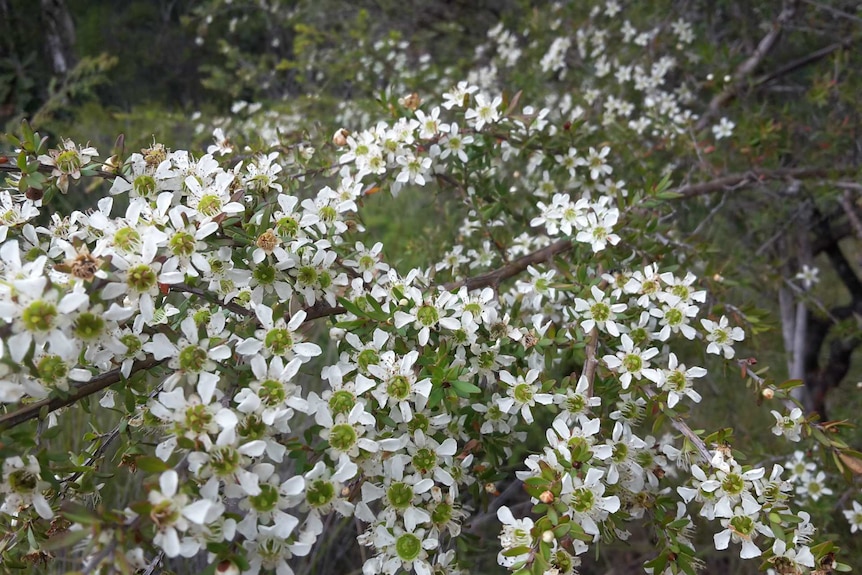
{"x": 98, "y": 383}
{"x": 683, "y": 428}
{"x": 46, "y": 169}
{"x": 756, "y": 176}
{"x": 806, "y": 60}
{"x": 494, "y": 278}
{"x": 212, "y": 298}
{"x": 747, "y": 67}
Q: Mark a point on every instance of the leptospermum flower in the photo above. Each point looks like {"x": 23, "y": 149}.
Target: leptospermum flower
{"x": 599, "y": 312}
{"x": 721, "y": 336}
{"x": 741, "y": 528}
{"x": 516, "y": 533}
{"x": 632, "y": 362}
{"x": 523, "y": 393}
{"x": 22, "y": 486}
{"x": 400, "y": 386}
{"x": 789, "y": 425}
{"x": 586, "y": 501}
{"x": 278, "y": 337}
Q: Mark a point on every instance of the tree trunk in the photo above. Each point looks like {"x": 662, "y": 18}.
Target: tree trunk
{"x": 59, "y": 35}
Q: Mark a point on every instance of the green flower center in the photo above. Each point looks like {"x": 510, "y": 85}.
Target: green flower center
{"x": 408, "y": 547}
{"x": 210, "y": 205}
{"x": 68, "y": 161}
{"x": 52, "y": 369}
{"x": 582, "y": 500}
{"x": 523, "y": 393}
{"x": 600, "y": 311}
{"x": 252, "y": 427}
{"x": 576, "y": 403}
{"x": 425, "y": 460}
{"x": 132, "y": 342}
{"x": 681, "y": 291}
{"x": 272, "y": 393}
{"x": 420, "y": 421}
{"x": 367, "y": 357}
{"x": 266, "y": 500}
{"x": 89, "y": 326}
{"x": 398, "y": 388}
{"x": 193, "y": 358}
{"x": 141, "y": 278}
{"x": 287, "y": 227}
{"x": 225, "y": 460}
{"x": 39, "y": 316}
{"x": 619, "y": 452}
{"x": 144, "y": 185}
{"x": 633, "y": 363}
{"x": 307, "y": 275}
{"x": 342, "y": 437}
{"x": 182, "y": 244}
{"x": 427, "y": 315}
{"x": 278, "y": 340}
{"x": 341, "y": 402}
{"x": 673, "y": 316}
{"x": 328, "y": 214}
{"x": 319, "y": 493}
{"x": 127, "y": 239}
{"x": 742, "y": 525}
{"x": 676, "y": 380}
{"x": 22, "y": 481}
{"x": 264, "y": 274}
{"x": 198, "y": 418}
{"x": 442, "y": 513}
{"x": 400, "y": 495}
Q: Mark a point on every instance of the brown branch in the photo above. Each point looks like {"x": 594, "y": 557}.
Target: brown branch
{"x": 46, "y": 169}
{"x": 756, "y": 176}
{"x": 806, "y": 60}
{"x": 513, "y": 268}
{"x": 212, "y": 298}
{"x": 98, "y": 383}
{"x": 846, "y": 201}
{"x": 749, "y": 65}
{"x": 683, "y": 428}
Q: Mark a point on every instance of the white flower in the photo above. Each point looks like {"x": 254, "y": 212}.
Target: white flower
{"x": 854, "y": 517}
{"x": 809, "y": 276}
{"x": 23, "y": 486}
{"x": 724, "y": 129}
{"x": 741, "y": 528}
{"x": 814, "y": 486}
{"x": 721, "y": 337}
{"x": 515, "y": 533}
{"x": 586, "y": 501}
{"x": 790, "y": 425}
{"x": 630, "y": 362}
{"x": 599, "y": 312}
{"x": 484, "y": 111}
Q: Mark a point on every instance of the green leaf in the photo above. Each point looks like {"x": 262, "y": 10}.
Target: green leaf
{"x": 151, "y": 464}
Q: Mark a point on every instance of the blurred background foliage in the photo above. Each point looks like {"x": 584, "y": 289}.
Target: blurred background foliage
{"x": 275, "y": 74}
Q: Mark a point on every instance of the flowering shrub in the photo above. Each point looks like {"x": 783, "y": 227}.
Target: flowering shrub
{"x": 192, "y": 301}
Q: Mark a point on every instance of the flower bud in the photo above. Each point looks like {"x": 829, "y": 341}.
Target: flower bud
{"x": 547, "y": 536}
{"x": 227, "y": 568}
{"x": 768, "y": 393}
{"x": 546, "y": 497}
{"x": 340, "y": 137}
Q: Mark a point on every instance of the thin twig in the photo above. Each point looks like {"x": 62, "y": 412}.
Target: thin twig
{"x": 757, "y": 176}
{"x": 683, "y": 428}
{"x": 513, "y": 268}
{"x": 749, "y": 65}
{"x": 98, "y": 383}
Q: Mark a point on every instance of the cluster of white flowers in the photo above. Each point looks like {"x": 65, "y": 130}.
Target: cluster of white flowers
{"x": 211, "y": 269}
